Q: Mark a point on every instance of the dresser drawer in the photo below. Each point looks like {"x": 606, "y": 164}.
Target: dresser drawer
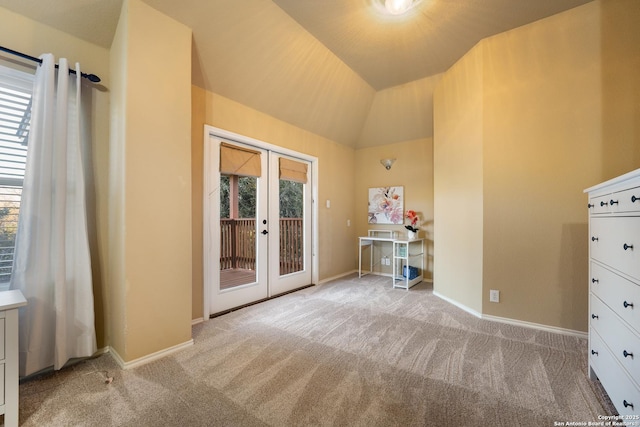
{"x": 623, "y": 343}
{"x": 621, "y": 390}
{"x": 615, "y": 241}
{"x": 625, "y": 201}
{"x": 620, "y": 294}
{"x": 599, "y": 204}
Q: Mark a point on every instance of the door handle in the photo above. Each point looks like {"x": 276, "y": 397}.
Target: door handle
{"x": 265, "y": 232}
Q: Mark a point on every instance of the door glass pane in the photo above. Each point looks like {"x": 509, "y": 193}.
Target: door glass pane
{"x": 237, "y": 230}
{"x": 291, "y": 227}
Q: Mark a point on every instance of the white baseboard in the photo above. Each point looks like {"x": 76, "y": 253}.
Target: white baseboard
{"x": 525, "y": 324}
{"x": 197, "y": 321}
{"x": 539, "y": 326}
{"x": 150, "y": 357}
{"x": 457, "y": 304}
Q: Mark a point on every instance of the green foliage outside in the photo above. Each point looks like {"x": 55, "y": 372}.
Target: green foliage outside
{"x": 291, "y": 198}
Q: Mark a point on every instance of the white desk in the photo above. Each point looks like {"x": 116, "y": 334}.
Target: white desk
{"x": 368, "y": 242}
{"x": 405, "y": 253}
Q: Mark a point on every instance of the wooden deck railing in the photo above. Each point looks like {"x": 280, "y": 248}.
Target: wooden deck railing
{"x": 238, "y": 244}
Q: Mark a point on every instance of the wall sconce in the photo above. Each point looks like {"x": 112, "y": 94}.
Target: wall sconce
{"x": 387, "y": 163}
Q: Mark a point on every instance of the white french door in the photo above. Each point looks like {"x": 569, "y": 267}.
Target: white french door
{"x": 258, "y": 221}
{"x": 290, "y": 225}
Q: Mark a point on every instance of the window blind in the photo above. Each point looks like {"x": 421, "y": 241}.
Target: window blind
{"x": 235, "y": 160}
{"x": 15, "y": 115}
{"x": 293, "y": 171}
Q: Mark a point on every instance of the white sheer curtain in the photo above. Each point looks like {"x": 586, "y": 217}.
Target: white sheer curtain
{"x": 52, "y": 263}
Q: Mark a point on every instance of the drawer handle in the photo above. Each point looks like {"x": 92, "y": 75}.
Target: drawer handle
{"x": 613, "y": 202}
{"x": 634, "y": 199}
{"x": 627, "y": 304}
{"x": 595, "y": 281}
{"x": 593, "y": 352}
{"x": 589, "y": 206}
{"x": 594, "y": 316}
{"x": 625, "y": 246}
{"x": 594, "y": 239}
{"x": 603, "y": 204}
{"x": 627, "y": 404}
{"x": 625, "y": 353}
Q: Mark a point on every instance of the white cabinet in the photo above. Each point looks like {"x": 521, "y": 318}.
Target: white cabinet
{"x": 9, "y": 303}
{"x": 614, "y": 284}
{"x": 408, "y": 262}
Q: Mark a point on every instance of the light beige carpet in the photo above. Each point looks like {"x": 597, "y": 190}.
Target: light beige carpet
{"x": 353, "y": 352}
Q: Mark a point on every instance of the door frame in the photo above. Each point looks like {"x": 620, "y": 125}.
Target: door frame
{"x": 208, "y": 235}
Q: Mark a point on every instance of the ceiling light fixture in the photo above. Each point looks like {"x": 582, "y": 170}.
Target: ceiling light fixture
{"x": 398, "y": 7}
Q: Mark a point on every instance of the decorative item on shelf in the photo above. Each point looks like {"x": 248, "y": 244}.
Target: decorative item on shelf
{"x": 387, "y": 163}
{"x": 402, "y": 251}
{"x": 410, "y": 272}
{"x": 413, "y": 229}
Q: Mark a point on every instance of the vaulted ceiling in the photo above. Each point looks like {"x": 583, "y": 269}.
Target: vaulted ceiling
{"x": 316, "y": 64}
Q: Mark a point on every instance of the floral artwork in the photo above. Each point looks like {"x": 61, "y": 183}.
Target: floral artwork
{"x": 386, "y": 205}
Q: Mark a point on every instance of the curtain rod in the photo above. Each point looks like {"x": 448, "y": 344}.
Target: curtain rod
{"x": 91, "y": 77}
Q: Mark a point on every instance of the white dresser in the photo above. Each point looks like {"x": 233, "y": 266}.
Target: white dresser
{"x": 614, "y": 283}
{"x": 10, "y": 301}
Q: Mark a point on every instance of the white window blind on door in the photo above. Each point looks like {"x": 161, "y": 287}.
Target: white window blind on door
{"x": 15, "y": 109}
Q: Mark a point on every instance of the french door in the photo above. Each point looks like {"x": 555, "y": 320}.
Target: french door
{"x": 258, "y": 222}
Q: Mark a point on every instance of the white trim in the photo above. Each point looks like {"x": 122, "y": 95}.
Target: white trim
{"x": 197, "y": 321}
{"x": 150, "y": 357}
{"x": 225, "y": 134}
{"x": 206, "y": 292}
{"x": 541, "y": 327}
{"x": 457, "y": 304}
{"x": 515, "y": 322}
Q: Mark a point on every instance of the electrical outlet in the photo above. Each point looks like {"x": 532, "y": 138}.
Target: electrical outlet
{"x": 494, "y": 296}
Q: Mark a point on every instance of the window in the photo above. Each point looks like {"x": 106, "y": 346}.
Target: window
{"x": 15, "y": 114}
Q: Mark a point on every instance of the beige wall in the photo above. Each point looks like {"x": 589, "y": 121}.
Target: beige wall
{"x": 336, "y": 179}
{"x": 400, "y": 113}
{"x": 458, "y": 183}
{"x": 412, "y": 170}
{"x": 549, "y": 129}
{"x": 620, "y": 104}
{"x": 542, "y": 124}
{"x": 151, "y": 185}
{"x": 30, "y": 37}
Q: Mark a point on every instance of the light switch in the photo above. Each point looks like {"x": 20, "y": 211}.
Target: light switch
{"x": 328, "y": 203}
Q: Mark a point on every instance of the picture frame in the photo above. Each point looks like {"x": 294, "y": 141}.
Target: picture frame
{"x": 386, "y": 205}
